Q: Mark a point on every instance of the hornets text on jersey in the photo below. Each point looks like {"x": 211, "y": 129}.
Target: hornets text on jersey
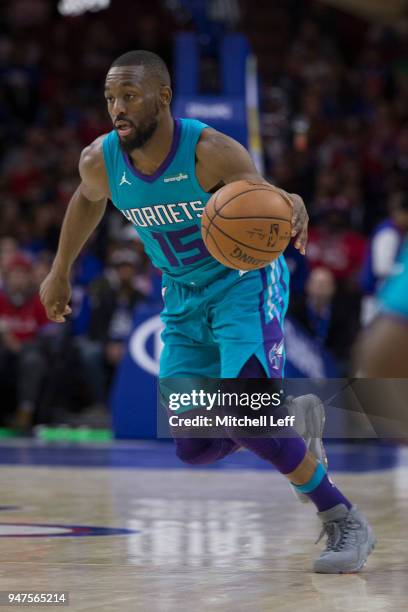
{"x": 166, "y": 207}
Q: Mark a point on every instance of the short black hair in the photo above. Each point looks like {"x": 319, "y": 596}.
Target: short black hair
{"x": 154, "y": 64}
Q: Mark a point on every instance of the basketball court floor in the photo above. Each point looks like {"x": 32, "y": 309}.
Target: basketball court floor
{"x": 126, "y": 527}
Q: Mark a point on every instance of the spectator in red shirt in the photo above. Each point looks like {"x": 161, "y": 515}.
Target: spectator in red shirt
{"x": 22, "y": 317}
{"x": 335, "y": 245}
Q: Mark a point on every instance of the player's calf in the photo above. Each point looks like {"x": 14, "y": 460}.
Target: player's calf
{"x": 310, "y": 417}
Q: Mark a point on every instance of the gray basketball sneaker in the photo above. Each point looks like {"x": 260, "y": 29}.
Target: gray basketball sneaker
{"x": 350, "y": 540}
{"x": 310, "y": 416}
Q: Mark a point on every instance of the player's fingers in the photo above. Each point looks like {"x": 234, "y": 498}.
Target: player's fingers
{"x": 295, "y": 217}
{"x": 57, "y": 317}
{"x": 300, "y": 220}
{"x": 299, "y": 214}
{"x": 295, "y": 228}
{"x": 297, "y": 223}
{"x": 57, "y": 312}
{"x": 301, "y": 240}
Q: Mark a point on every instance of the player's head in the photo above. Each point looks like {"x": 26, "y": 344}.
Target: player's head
{"x": 138, "y": 95}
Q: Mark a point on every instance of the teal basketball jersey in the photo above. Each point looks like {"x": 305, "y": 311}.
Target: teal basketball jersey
{"x": 165, "y": 207}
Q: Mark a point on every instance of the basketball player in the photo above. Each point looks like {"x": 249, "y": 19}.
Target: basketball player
{"x": 384, "y": 346}
{"x": 219, "y": 323}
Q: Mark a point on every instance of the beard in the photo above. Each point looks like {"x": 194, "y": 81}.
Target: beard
{"x": 140, "y": 136}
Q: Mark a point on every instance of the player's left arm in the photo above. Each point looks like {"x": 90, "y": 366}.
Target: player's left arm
{"x": 222, "y": 160}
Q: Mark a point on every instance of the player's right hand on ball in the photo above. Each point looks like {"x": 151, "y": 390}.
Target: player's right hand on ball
{"x": 55, "y": 293}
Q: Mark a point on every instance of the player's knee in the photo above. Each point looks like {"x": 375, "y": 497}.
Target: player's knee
{"x": 190, "y": 451}
{"x": 198, "y": 452}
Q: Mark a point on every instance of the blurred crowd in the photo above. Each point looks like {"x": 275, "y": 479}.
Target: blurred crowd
{"x": 335, "y": 130}
{"x": 334, "y": 94}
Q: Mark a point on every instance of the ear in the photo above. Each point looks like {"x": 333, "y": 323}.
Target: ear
{"x": 165, "y": 95}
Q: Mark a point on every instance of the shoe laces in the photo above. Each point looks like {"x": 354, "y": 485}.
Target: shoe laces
{"x": 339, "y": 533}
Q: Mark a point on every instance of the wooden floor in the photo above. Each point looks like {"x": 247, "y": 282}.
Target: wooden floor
{"x": 221, "y": 540}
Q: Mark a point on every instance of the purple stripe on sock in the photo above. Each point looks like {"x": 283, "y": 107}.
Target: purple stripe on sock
{"x": 327, "y": 495}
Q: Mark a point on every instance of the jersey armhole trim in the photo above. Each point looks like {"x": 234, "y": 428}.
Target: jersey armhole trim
{"x": 192, "y": 168}
{"x": 109, "y": 163}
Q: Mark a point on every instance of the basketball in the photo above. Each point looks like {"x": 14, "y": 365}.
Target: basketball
{"x": 246, "y": 225}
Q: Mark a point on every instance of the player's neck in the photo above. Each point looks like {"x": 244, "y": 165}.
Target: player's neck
{"x": 149, "y": 158}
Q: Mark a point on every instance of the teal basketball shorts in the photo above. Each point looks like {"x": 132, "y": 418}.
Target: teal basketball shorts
{"x": 212, "y": 331}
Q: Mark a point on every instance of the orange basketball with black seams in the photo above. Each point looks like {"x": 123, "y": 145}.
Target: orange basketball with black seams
{"x": 246, "y": 225}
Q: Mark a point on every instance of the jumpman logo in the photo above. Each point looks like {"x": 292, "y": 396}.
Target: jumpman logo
{"x": 124, "y": 181}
